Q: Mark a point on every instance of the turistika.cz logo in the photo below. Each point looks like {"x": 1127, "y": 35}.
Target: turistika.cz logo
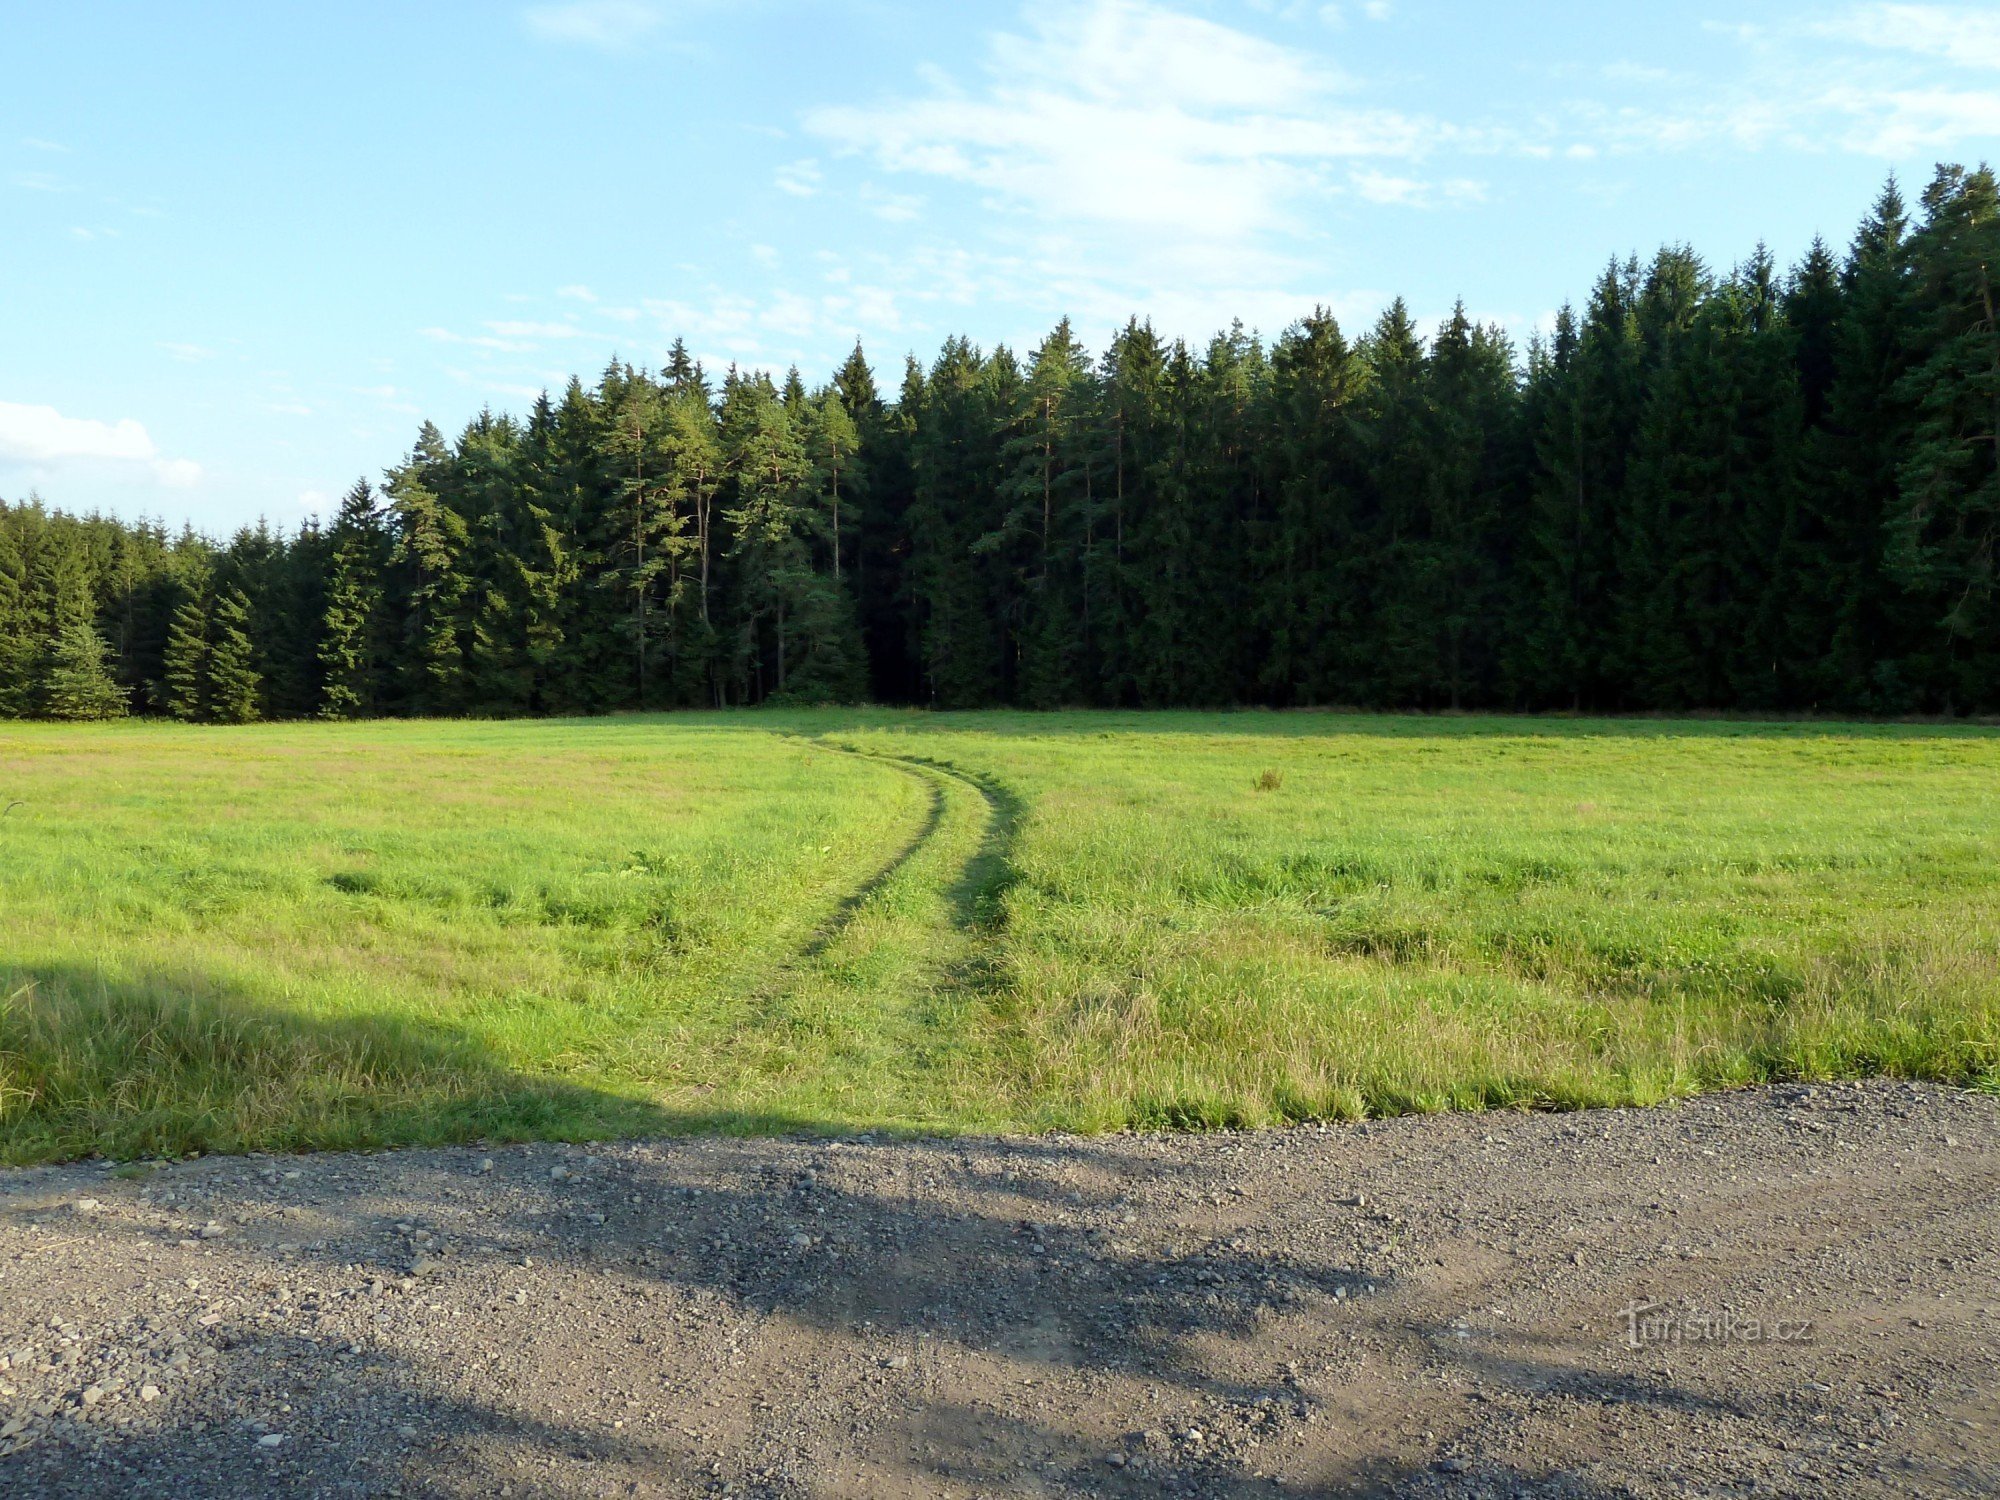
{"x": 1650, "y": 1324}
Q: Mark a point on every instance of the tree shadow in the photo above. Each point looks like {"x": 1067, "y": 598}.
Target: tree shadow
{"x": 970, "y": 1316}
{"x": 169, "y": 1062}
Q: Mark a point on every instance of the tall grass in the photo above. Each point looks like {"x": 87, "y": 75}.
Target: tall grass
{"x": 313, "y": 935}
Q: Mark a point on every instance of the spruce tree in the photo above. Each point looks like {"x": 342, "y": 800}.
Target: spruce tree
{"x": 426, "y": 560}
{"x": 234, "y": 684}
{"x": 186, "y": 659}
{"x": 348, "y": 654}
{"x": 1945, "y": 532}
{"x": 18, "y": 649}
{"x": 76, "y": 677}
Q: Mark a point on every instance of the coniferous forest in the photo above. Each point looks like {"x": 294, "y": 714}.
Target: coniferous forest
{"x": 1760, "y": 490}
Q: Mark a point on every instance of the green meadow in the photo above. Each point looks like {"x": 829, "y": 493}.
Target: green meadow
{"x": 313, "y": 935}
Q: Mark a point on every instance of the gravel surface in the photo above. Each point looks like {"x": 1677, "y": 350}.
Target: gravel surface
{"x": 1420, "y": 1306}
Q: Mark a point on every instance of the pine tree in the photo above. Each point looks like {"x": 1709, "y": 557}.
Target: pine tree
{"x": 426, "y": 560}
{"x": 1945, "y": 538}
{"x": 692, "y": 481}
{"x": 954, "y": 603}
{"x": 1315, "y": 552}
{"x": 1863, "y": 628}
{"x": 1389, "y": 580}
{"x": 77, "y": 681}
{"x": 186, "y": 660}
{"x": 18, "y": 650}
{"x": 348, "y": 652}
{"x": 234, "y": 684}
{"x": 1044, "y": 490}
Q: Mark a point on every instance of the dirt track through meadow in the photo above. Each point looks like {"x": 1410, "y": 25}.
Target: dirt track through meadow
{"x": 1421, "y": 1306}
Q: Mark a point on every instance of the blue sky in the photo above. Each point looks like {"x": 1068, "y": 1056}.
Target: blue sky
{"x": 245, "y": 248}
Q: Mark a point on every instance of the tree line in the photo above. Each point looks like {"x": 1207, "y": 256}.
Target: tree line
{"x": 1760, "y": 490}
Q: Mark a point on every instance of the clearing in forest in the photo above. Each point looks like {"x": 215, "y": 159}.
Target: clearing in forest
{"x": 333, "y": 935}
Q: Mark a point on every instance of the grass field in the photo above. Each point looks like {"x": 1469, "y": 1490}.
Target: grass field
{"x": 317, "y": 935}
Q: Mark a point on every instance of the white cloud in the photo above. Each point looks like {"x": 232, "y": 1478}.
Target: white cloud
{"x": 188, "y": 353}
{"x": 36, "y": 143}
{"x": 1125, "y": 114}
{"x": 42, "y": 440}
{"x": 576, "y": 293}
{"x": 1865, "y": 79}
{"x": 610, "y": 24}
{"x": 799, "y": 178}
{"x": 476, "y": 340}
{"x": 895, "y": 208}
{"x": 1413, "y": 192}
{"x": 529, "y": 330}
{"x": 1132, "y": 158}
{"x": 1965, "y": 35}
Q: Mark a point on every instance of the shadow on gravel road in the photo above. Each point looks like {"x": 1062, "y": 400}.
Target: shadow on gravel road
{"x": 956, "y": 1321}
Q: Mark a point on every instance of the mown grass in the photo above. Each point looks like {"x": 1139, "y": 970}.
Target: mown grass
{"x": 319, "y": 935}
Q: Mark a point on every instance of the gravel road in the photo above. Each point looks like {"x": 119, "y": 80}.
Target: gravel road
{"x": 1419, "y": 1306}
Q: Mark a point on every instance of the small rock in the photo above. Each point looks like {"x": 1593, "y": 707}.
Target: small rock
{"x": 92, "y": 1394}
{"x": 1116, "y": 1460}
{"x": 86, "y": 1205}
{"x": 271, "y": 1440}
{"x": 149, "y": 1393}
{"x": 406, "y": 1432}
{"x": 211, "y": 1231}
{"x": 1453, "y": 1465}
{"x": 485, "y": 1163}
{"x": 896, "y": 1362}
{"x": 802, "y": 1242}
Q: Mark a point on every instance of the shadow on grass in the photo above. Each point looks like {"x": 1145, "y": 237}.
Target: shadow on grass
{"x": 169, "y": 1063}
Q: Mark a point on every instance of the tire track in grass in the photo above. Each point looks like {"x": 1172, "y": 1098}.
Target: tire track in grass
{"x": 876, "y": 1014}
{"x": 984, "y": 876}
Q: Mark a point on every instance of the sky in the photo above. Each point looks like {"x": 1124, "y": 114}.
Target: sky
{"x": 246, "y": 249}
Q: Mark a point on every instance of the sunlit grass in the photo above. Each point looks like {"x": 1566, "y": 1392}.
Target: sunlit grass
{"x": 318, "y": 935}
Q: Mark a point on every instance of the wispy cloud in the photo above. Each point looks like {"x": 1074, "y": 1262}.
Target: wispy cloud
{"x": 799, "y": 178}
{"x": 1127, "y": 156}
{"x": 1870, "y": 79}
{"x": 476, "y": 340}
{"x": 1414, "y": 192}
{"x": 610, "y": 24}
{"x": 1968, "y": 36}
{"x": 531, "y": 330}
{"x": 189, "y": 354}
{"x": 41, "y": 439}
{"x": 1125, "y": 113}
